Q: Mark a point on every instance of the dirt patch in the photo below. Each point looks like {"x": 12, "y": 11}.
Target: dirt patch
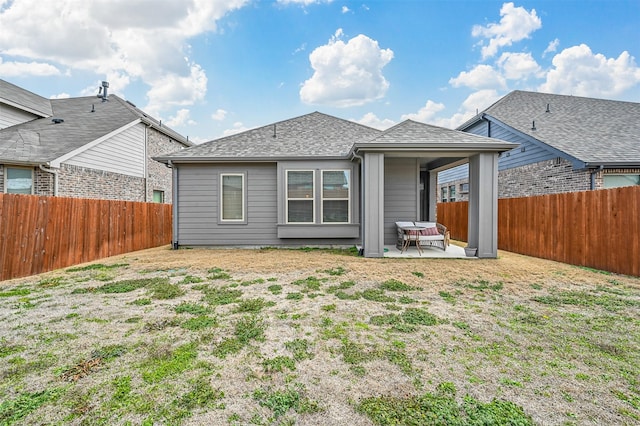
{"x": 220, "y": 336}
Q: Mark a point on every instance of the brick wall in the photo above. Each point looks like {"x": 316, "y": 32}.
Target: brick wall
{"x": 546, "y": 177}
{"x": 159, "y": 174}
{"x": 81, "y": 182}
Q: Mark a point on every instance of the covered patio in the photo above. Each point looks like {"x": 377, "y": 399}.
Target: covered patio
{"x": 399, "y": 182}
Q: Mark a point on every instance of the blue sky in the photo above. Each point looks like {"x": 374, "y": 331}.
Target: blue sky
{"x": 209, "y": 68}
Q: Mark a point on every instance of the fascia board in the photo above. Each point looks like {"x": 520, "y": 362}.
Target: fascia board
{"x": 24, "y": 108}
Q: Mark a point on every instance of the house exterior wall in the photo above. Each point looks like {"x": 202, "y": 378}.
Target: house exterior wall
{"x": 401, "y": 194}
{"x": 123, "y": 153}
{"x": 82, "y": 182}
{"x": 546, "y": 177}
{"x": 159, "y": 175}
{"x": 10, "y": 116}
{"x": 198, "y": 208}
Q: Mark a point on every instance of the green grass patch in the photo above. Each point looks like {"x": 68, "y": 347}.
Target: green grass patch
{"x": 294, "y": 296}
{"x": 14, "y": 410}
{"x": 218, "y": 274}
{"x": 192, "y": 308}
{"x": 442, "y": 408}
{"x": 300, "y": 348}
{"x": 190, "y": 279}
{"x": 395, "y": 285}
{"x": 419, "y": 316}
{"x": 15, "y": 292}
{"x": 309, "y": 284}
{"x": 251, "y": 305}
{"x": 97, "y": 267}
{"x": 342, "y": 286}
{"x": 199, "y": 322}
{"x": 377, "y": 295}
{"x": 221, "y": 295}
{"x": 252, "y": 282}
{"x": 337, "y": 271}
{"x": 126, "y": 286}
{"x": 165, "y": 291}
{"x": 608, "y": 301}
{"x": 279, "y": 364}
{"x": 418, "y": 274}
{"x": 275, "y": 289}
{"x": 447, "y": 297}
{"x": 145, "y": 301}
{"x": 166, "y": 362}
{"x": 51, "y": 282}
{"x": 281, "y": 401}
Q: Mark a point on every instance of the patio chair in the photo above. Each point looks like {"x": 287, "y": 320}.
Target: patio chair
{"x": 428, "y": 237}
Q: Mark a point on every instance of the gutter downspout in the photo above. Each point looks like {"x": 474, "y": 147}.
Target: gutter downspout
{"x": 354, "y": 156}
{"x": 593, "y": 176}
{"x": 174, "y": 205}
{"x": 55, "y": 178}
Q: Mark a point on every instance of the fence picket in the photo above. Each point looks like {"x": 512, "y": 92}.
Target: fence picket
{"x": 598, "y": 229}
{"x": 40, "y": 234}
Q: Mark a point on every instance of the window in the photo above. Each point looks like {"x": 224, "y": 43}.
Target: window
{"x": 443, "y": 194}
{"x": 335, "y": 196}
{"x": 158, "y": 196}
{"x": 617, "y": 181}
{"x": 464, "y": 187}
{"x": 18, "y": 180}
{"x": 452, "y": 193}
{"x": 300, "y": 196}
{"x": 232, "y": 204}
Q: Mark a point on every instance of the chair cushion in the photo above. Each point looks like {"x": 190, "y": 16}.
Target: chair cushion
{"x": 404, "y": 224}
{"x": 430, "y": 231}
{"x": 426, "y": 224}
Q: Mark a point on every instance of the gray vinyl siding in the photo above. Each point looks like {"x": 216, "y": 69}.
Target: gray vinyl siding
{"x": 401, "y": 194}
{"x": 122, "y": 153}
{"x": 10, "y": 116}
{"x": 198, "y": 208}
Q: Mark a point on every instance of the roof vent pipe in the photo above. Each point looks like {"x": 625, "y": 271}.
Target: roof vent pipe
{"x": 548, "y": 110}
{"x": 274, "y": 131}
{"x": 533, "y": 125}
{"x": 102, "y": 91}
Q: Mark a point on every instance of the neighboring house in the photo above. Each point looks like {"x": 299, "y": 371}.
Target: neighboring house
{"x": 318, "y": 180}
{"x": 89, "y": 147}
{"x": 566, "y": 144}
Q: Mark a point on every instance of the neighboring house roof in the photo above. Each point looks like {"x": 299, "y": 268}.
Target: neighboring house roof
{"x": 17, "y": 97}
{"x": 86, "y": 120}
{"x": 593, "y": 131}
{"x": 314, "y": 135}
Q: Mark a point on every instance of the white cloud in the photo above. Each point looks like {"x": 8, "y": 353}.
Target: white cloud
{"x": 552, "y": 47}
{"x": 516, "y": 24}
{"x": 426, "y": 113}
{"x": 123, "y": 40}
{"x": 578, "y": 71}
{"x": 15, "y": 69}
{"x": 346, "y": 74}
{"x": 303, "y": 2}
{"x": 175, "y": 90}
{"x": 345, "y": 9}
{"x": 60, "y": 96}
{"x": 371, "y": 120}
{"x": 219, "y": 115}
{"x": 238, "y": 127}
{"x": 481, "y": 77}
{"x": 182, "y": 118}
{"x": 517, "y": 66}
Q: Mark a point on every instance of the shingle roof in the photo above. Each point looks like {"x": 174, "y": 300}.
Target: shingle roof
{"x": 590, "y": 130}
{"x": 413, "y": 132}
{"x": 13, "y": 95}
{"x": 41, "y": 140}
{"x": 310, "y": 135}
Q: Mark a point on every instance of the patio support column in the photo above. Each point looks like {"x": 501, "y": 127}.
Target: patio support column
{"x": 373, "y": 226}
{"x": 433, "y": 195}
{"x": 483, "y": 204}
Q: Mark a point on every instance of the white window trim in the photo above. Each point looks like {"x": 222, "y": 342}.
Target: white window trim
{"x": 244, "y": 198}
{"x": 322, "y": 199}
{"x": 6, "y": 178}
{"x": 287, "y": 199}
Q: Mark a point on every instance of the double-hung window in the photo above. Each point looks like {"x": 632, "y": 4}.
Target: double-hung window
{"x": 335, "y": 196}
{"x": 18, "y": 180}
{"x": 300, "y": 196}
{"x": 232, "y": 200}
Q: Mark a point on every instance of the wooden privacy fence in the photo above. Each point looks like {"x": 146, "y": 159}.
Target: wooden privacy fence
{"x": 40, "y": 234}
{"x": 598, "y": 229}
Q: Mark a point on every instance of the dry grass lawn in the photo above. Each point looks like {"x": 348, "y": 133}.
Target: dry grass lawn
{"x": 313, "y": 337}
